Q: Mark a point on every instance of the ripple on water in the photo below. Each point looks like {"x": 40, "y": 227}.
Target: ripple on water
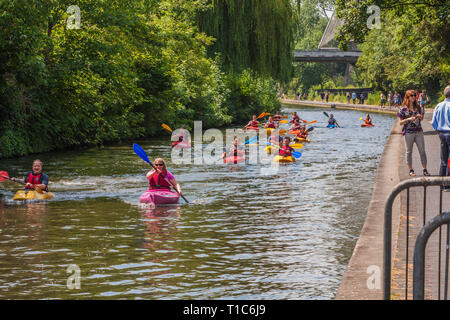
{"x": 250, "y": 232}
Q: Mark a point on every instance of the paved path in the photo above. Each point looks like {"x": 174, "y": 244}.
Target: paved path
{"x": 361, "y": 279}
{"x": 418, "y": 217}
{"x": 340, "y": 105}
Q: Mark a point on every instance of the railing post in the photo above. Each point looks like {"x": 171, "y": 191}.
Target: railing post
{"x": 419, "y": 254}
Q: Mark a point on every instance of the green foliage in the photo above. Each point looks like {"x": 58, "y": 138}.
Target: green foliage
{"x": 410, "y": 51}
{"x": 130, "y": 67}
{"x": 250, "y": 95}
{"x": 254, "y": 34}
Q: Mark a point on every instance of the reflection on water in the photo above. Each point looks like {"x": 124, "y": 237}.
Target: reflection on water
{"x": 248, "y": 233}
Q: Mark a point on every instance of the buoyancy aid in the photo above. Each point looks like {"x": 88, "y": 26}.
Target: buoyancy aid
{"x": 157, "y": 181}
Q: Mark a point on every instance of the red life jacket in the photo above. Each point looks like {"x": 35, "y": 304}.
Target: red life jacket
{"x": 157, "y": 181}
{"x": 270, "y": 125}
{"x": 33, "y": 179}
{"x": 276, "y": 118}
{"x": 254, "y": 123}
{"x": 285, "y": 151}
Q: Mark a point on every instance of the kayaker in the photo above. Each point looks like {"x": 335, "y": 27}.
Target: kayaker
{"x": 180, "y": 139}
{"x": 286, "y": 150}
{"x": 272, "y": 140}
{"x": 157, "y": 178}
{"x": 270, "y": 123}
{"x": 233, "y": 151}
{"x": 35, "y": 178}
{"x": 368, "y": 120}
{"x": 253, "y": 123}
{"x": 277, "y": 117}
{"x": 332, "y": 121}
{"x": 295, "y": 117}
{"x": 303, "y": 134}
{"x": 296, "y": 126}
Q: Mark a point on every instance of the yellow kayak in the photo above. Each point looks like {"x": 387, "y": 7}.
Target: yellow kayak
{"x": 269, "y": 149}
{"x": 282, "y": 159}
{"x": 269, "y": 130}
{"x": 32, "y": 195}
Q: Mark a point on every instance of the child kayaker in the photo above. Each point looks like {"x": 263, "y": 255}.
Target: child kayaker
{"x": 286, "y": 150}
{"x": 270, "y": 123}
{"x": 296, "y": 126}
{"x": 303, "y": 134}
{"x": 35, "y": 178}
{"x": 161, "y": 178}
{"x": 253, "y": 123}
{"x": 295, "y": 117}
{"x": 277, "y": 117}
{"x": 233, "y": 150}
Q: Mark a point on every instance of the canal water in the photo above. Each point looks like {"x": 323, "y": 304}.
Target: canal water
{"x": 247, "y": 233}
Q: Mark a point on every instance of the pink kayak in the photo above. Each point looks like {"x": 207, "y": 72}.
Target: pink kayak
{"x": 159, "y": 196}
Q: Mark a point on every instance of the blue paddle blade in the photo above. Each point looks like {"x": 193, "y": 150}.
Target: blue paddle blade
{"x": 296, "y": 154}
{"x": 251, "y": 140}
{"x": 140, "y": 152}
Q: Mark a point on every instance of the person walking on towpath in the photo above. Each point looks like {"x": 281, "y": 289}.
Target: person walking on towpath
{"x": 354, "y": 97}
{"x": 441, "y": 123}
{"x": 382, "y": 100}
{"x": 410, "y": 117}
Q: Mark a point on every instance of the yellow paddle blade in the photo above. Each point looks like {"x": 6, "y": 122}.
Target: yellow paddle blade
{"x": 296, "y": 145}
{"x": 360, "y": 118}
{"x": 283, "y": 121}
{"x": 261, "y": 115}
{"x": 165, "y": 126}
{"x": 282, "y": 131}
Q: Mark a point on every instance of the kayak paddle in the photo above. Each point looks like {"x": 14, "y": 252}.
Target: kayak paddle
{"x": 261, "y": 115}
{"x": 5, "y": 176}
{"x": 294, "y": 153}
{"x": 141, "y": 153}
{"x": 251, "y": 140}
{"x": 165, "y": 126}
{"x": 283, "y": 121}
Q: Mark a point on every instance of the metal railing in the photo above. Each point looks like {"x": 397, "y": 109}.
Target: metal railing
{"x": 424, "y": 182}
{"x": 419, "y": 255}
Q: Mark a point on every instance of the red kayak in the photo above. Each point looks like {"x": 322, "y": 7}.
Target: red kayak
{"x": 234, "y": 159}
{"x": 294, "y": 131}
{"x": 252, "y": 128}
{"x": 159, "y": 196}
{"x": 367, "y": 125}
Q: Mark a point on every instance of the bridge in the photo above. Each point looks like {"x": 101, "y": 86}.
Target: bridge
{"x": 327, "y": 56}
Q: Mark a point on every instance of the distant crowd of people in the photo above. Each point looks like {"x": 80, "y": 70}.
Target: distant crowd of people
{"x": 395, "y": 100}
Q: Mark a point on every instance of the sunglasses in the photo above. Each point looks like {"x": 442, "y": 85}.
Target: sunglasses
{"x": 159, "y": 164}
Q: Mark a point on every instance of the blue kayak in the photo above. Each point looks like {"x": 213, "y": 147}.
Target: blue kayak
{"x": 331, "y": 126}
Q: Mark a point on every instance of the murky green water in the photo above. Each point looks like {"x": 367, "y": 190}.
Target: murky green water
{"x": 245, "y": 235}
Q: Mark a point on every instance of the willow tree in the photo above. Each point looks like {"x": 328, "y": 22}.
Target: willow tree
{"x": 255, "y": 34}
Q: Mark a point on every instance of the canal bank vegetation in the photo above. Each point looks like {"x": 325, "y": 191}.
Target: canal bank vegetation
{"x": 129, "y": 66}
{"x": 409, "y": 49}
